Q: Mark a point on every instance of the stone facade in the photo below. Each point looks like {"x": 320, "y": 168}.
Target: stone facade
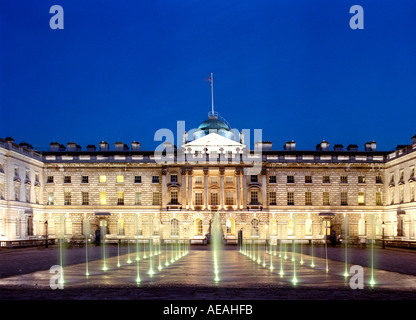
{"x": 128, "y": 194}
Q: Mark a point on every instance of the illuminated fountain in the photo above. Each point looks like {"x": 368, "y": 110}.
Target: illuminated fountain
{"x": 216, "y": 234}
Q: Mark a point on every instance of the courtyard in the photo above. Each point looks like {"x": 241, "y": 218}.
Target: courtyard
{"x": 178, "y": 271}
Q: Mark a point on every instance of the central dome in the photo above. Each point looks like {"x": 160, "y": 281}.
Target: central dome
{"x": 213, "y": 124}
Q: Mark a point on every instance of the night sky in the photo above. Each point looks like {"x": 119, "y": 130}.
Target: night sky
{"x": 121, "y": 70}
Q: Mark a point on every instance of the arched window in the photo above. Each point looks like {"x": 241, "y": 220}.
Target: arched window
{"x": 174, "y": 227}
{"x": 120, "y": 227}
{"x": 361, "y": 227}
{"x": 308, "y": 227}
{"x": 254, "y": 228}
{"x": 230, "y": 225}
{"x": 198, "y": 227}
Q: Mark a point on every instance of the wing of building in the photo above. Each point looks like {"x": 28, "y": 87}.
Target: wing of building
{"x": 69, "y": 192}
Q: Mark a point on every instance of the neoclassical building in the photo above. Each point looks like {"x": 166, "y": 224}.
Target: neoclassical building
{"x": 127, "y": 193}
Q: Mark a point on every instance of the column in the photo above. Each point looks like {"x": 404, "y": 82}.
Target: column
{"x": 189, "y": 189}
{"x": 206, "y": 188}
{"x": 237, "y": 172}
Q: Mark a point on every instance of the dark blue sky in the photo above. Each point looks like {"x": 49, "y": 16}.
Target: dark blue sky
{"x": 120, "y": 70}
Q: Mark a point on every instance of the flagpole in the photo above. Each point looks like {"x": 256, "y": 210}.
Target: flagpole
{"x": 212, "y": 92}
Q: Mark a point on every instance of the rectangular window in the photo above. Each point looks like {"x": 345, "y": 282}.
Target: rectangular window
{"x": 290, "y": 179}
{"x": 229, "y": 180}
{"x": 325, "y": 179}
{"x": 308, "y": 198}
{"x": 361, "y": 179}
{"x": 36, "y": 176}
{"x": 401, "y": 174}
{"x": 198, "y": 180}
{"x": 16, "y": 172}
{"x": 361, "y": 198}
{"x": 67, "y": 198}
{"x": 174, "y": 197}
{"x": 344, "y": 198}
{"x": 214, "y": 180}
{"x": 50, "y": 198}
{"x": 214, "y": 199}
{"x": 325, "y": 198}
{"x": 103, "y": 198}
{"x": 120, "y": 178}
{"x": 272, "y": 198}
{"x": 392, "y": 196}
{"x": 2, "y": 191}
{"x": 401, "y": 195}
{"x": 412, "y": 192}
{"x": 392, "y": 177}
{"x": 137, "y": 179}
{"x": 120, "y": 198}
{"x": 254, "y": 197}
{"x": 198, "y": 199}
{"x": 290, "y": 198}
{"x": 27, "y": 175}
{"x": 272, "y": 179}
{"x": 229, "y": 199}
{"x": 85, "y": 198}
{"x": 84, "y": 179}
{"x": 344, "y": 179}
{"x": 27, "y": 194}
{"x": 1, "y": 168}
{"x": 308, "y": 179}
{"x": 174, "y": 178}
{"x": 379, "y": 179}
{"x": 49, "y": 179}
{"x": 103, "y": 178}
{"x": 378, "y": 199}
{"x": 156, "y": 198}
{"x": 254, "y": 178}
{"x": 138, "y": 198}
{"x": 67, "y": 179}
{"x": 155, "y": 179}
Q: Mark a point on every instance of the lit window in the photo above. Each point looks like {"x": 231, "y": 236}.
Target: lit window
{"x": 229, "y": 199}
{"x": 361, "y": 198}
{"x": 254, "y": 228}
{"x": 120, "y": 179}
{"x": 214, "y": 180}
{"x": 120, "y": 198}
{"x": 198, "y": 180}
{"x": 156, "y": 198}
{"x": 229, "y": 180}
{"x": 50, "y": 198}
{"x": 378, "y": 199}
{"x": 198, "y": 198}
{"x": 120, "y": 227}
{"x": 214, "y": 199}
{"x": 361, "y": 179}
{"x": 325, "y": 198}
{"x": 198, "y": 227}
{"x": 67, "y": 198}
{"x": 103, "y": 197}
{"x": 103, "y": 179}
{"x": 230, "y": 226}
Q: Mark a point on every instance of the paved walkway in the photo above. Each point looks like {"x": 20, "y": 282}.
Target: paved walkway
{"x": 25, "y": 274}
